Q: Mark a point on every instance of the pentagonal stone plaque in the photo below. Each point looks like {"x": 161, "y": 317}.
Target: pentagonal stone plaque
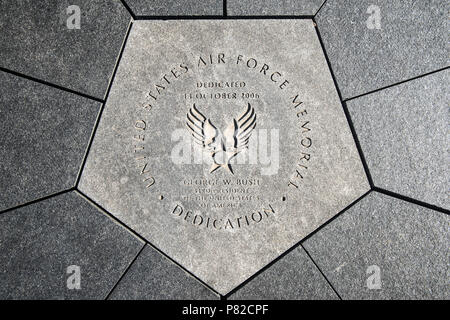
{"x": 223, "y": 143}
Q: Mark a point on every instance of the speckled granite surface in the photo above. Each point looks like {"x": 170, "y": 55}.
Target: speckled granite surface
{"x": 65, "y": 91}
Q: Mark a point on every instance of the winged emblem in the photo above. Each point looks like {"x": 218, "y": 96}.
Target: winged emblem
{"x": 222, "y": 146}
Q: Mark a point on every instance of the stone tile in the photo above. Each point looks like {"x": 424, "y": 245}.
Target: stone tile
{"x": 176, "y": 7}
{"x": 294, "y": 277}
{"x": 412, "y": 41}
{"x": 154, "y": 277}
{"x": 403, "y": 131}
{"x": 43, "y": 139}
{"x": 36, "y": 41}
{"x": 407, "y": 242}
{"x": 40, "y": 241}
{"x": 247, "y": 214}
{"x": 273, "y": 7}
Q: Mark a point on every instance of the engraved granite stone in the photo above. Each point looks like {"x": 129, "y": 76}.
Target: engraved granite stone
{"x": 223, "y": 143}
{"x": 42, "y": 244}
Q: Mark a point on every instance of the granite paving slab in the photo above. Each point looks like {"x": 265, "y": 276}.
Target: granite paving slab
{"x": 273, "y": 7}
{"x": 44, "y": 134}
{"x": 223, "y": 143}
{"x": 293, "y": 277}
{"x": 403, "y": 132}
{"x": 385, "y": 248}
{"x": 154, "y": 277}
{"x": 42, "y": 244}
{"x": 176, "y": 7}
{"x": 374, "y": 44}
{"x": 41, "y": 39}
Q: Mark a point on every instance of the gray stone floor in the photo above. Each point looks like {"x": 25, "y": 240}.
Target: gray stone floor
{"x": 389, "y": 62}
